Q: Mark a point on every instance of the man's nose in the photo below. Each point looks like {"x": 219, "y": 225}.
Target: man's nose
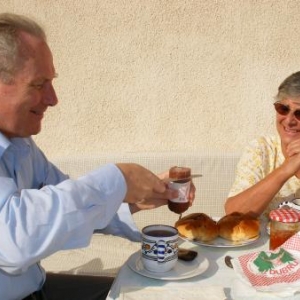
{"x": 50, "y": 97}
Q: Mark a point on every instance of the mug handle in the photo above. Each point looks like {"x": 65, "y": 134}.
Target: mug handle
{"x": 284, "y": 203}
{"x": 161, "y": 250}
{"x": 289, "y": 204}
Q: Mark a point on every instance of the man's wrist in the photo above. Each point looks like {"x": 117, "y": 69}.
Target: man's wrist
{"x": 133, "y": 208}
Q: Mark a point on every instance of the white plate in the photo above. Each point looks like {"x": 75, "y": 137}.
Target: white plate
{"x": 222, "y": 243}
{"x": 181, "y": 270}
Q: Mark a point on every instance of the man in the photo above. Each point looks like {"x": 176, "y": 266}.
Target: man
{"x": 41, "y": 209}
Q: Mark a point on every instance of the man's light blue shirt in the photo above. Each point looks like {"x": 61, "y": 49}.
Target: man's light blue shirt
{"x": 43, "y": 211}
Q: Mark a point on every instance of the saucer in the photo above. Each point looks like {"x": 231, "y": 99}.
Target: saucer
{"x": 181, "y": 270}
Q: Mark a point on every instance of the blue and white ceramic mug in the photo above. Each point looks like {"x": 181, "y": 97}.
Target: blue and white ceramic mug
{"x": 159, "y": 248}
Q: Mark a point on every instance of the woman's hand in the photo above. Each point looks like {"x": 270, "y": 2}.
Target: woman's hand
{"x": 292, "y": 161}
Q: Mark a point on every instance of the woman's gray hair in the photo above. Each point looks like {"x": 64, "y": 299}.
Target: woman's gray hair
{"x": 13, "y": 52}
{"x": 289, "y": 88}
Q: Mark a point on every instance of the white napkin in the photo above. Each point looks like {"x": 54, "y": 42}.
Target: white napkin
{"x": 241, "y": 290}
{"x": 173, "y": 292}
{"x": 269, "y": 274}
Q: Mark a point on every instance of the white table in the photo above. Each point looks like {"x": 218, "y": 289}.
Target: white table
{"x": 217, "y": 274}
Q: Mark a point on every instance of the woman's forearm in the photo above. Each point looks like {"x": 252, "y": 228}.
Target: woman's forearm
{"x": 256, "y": 198}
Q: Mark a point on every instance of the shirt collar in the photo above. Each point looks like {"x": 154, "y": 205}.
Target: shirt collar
{"x": 5, "y": 143}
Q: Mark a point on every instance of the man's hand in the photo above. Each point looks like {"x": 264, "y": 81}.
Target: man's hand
{"x": 160, "y": 199}
{"x": 191, "y": 196}
{"x": 141, "y": 183}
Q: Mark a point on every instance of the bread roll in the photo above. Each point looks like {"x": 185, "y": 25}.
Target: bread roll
{"x": 197, "y": 226}
{"x": 238, "y": 227}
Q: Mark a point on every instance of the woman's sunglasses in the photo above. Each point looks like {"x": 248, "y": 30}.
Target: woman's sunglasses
{"x": 284, "y": 110}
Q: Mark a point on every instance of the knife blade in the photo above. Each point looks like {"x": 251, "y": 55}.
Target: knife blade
{"x": 187, "y": 178}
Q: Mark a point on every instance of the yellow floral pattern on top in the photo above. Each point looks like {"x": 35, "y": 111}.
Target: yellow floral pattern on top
{"x": 260, "y": 158}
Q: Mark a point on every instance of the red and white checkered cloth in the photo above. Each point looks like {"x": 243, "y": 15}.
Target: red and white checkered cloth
{"x": 272, "y": 270}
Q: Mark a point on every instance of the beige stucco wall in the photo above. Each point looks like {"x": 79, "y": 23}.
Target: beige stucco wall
{"x": 150, "y": 75}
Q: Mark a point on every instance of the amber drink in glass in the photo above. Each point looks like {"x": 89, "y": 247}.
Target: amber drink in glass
{"x": 284, "y": 224}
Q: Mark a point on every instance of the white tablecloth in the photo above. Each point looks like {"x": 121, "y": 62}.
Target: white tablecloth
{"x": 217, "y": 275}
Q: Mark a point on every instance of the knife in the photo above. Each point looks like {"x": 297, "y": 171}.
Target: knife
{"x": 186, "y": 178}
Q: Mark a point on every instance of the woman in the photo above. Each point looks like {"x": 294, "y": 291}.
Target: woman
{"x": 269, "y": 170}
